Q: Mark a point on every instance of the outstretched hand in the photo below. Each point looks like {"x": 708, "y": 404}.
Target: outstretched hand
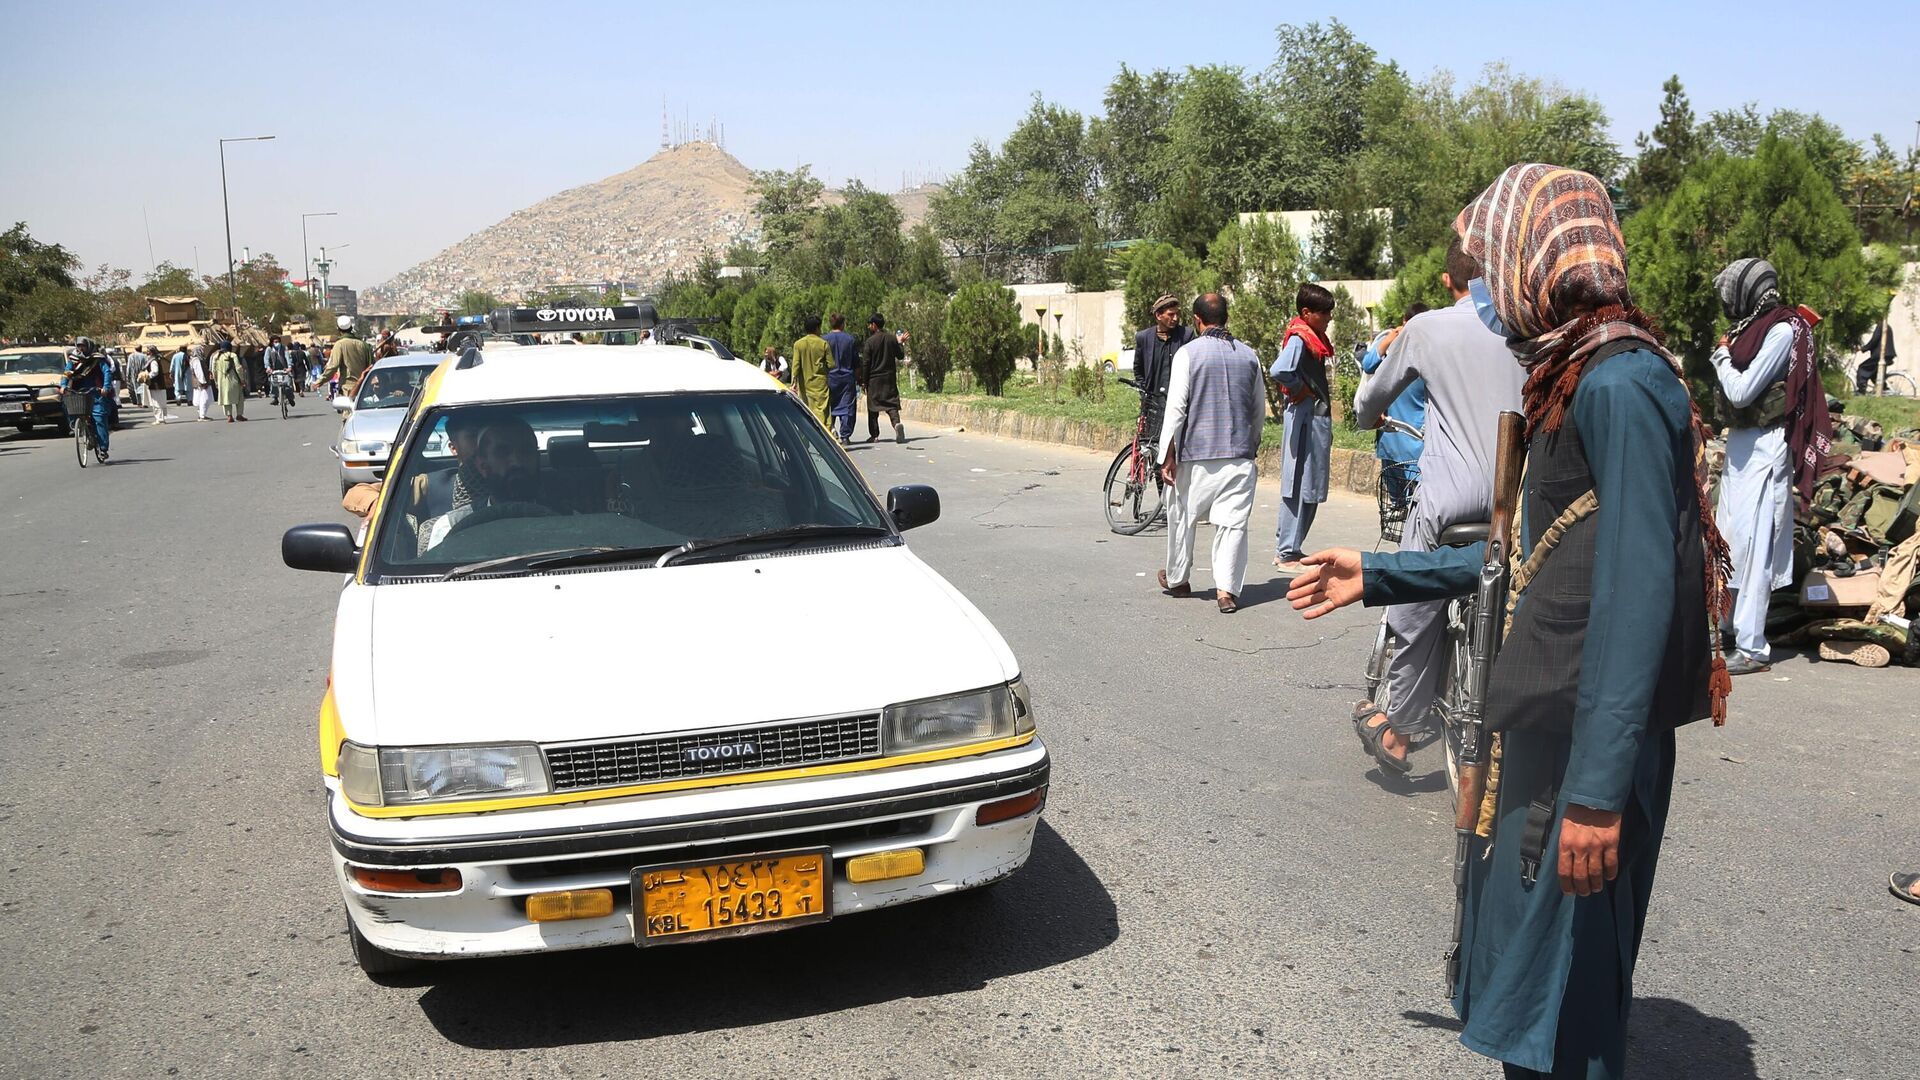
{"x": 1331, "y": 581}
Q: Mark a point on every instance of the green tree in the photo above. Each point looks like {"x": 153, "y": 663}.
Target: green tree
{"x": 749, "y": 321}
{"x": 787, "y": 322}
{"x": 1128, "y": 148}
{"x": 1086, "y": 268}
{"x": 1775, "y": 204}
{"x": 921, "y": 310}
{"x": 1349, "y": 238}
{"x": 38, "y": 295}
{"x": 784, "y": 202}
{"x": 1319, "y": 86}
{"x": 1155, "y": 270}
{"x": 1259, "y": 266}
{"x": 983, "y": 332}
{"x": 1418, "y": 282}
{"x": 924, "y": 262}
{"x": 1666, "y": 153}
{"x": 1034, "y": 193}
{"x": 1225, "y": 139}
{"x": 857, "y": 295}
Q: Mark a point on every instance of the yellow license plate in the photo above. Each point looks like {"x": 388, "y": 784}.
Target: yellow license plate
{"x": 730, "y": 897}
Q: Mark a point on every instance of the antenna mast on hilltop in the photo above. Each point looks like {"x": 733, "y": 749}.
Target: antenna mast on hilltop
{"x": 666, "y": 142}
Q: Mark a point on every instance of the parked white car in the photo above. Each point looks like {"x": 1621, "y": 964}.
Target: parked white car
{"x": 551, "y": 723}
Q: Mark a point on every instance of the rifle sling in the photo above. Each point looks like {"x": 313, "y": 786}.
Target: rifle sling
{"x": 1522, "y": 573}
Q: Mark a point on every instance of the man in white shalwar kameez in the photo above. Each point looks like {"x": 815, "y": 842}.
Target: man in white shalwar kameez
{"x": 1216, "y": 409}
{"x": 1756, "y": 492}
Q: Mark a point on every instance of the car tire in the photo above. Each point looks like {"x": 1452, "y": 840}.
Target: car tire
{"x": 23, "y": 428}
{"x": 373, "y": 960}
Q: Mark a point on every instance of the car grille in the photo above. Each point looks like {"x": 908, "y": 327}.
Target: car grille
{"x": 16, "y": 393}
{"x": 712, "y": 753}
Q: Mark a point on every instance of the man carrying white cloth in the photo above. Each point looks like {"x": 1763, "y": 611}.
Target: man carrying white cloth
{"x": 1216, "y": 408}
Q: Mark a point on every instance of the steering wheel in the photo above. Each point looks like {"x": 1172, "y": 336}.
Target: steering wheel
{"x": 500, "y": 512}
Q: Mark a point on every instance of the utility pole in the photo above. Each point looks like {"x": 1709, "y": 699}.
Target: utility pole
{"x": 233, "y": 292}
{"x": 306, "y": 261}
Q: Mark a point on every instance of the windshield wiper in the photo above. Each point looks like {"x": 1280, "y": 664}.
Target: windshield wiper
{"x": 592, "y": 556}
{"x": 791, "y": 534}
{"x": 520, "y": 562}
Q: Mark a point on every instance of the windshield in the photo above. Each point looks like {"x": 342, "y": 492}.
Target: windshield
{"x": 487, "y": 482}
{"x": 37, "y": 363}
{"x": 391, "y": 387}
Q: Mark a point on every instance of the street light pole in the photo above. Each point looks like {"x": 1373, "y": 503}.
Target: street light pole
{"x": 233, "y": 292}
{"x": 306, "y": 261}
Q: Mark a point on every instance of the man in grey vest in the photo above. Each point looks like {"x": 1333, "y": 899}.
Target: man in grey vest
{"x": 1471, "y": 378}
{"x": 1216, "y": 406}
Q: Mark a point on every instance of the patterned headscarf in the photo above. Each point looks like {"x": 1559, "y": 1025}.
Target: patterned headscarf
{"x": 1555, "y": 267}
{"x": 1748, "y": 289}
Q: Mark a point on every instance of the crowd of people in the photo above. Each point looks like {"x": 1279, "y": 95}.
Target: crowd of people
{"x": 221, "y": 373}
{"x": 1585, "y": 697}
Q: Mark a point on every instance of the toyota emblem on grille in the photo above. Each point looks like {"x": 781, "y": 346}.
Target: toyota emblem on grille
{"x": 740, "y": 750}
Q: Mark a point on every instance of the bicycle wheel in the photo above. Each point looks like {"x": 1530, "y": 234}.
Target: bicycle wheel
{"x": 1901, "y": 386}
{"x": 1377, "y": 661}
{"x": 80, "y": 441}
{"x": 1453, "y": 679}
{"x": 1130, "y": 507}
{"x": 284, "y": 403}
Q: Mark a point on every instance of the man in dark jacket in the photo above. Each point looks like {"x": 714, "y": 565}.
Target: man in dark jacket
{"x": 1153, "y": 350}
{"x": 879, "y": 375}
{"x": 843, "y": 392}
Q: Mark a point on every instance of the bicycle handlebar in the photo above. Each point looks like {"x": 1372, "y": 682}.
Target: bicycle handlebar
{"x": 1404, "y": 428}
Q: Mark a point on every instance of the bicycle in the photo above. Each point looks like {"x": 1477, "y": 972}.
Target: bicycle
{"x": 1450, "y": 688}
{"x": 1136, "y": 494}
{"x": 1893, "y": 383}
{"x": 280, "y": 385}
{"x": 1394, "y": 491}
{"x": 80, "y": 422}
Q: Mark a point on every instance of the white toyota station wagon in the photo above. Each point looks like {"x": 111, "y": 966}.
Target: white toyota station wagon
{"x": 585, "y": 685}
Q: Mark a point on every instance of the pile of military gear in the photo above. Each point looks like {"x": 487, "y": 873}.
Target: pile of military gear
{"x": 1854, "y": 552}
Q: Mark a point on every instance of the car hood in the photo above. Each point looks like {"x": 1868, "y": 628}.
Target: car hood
{"x": 610, "y": 653}
{"x": 365, "y": 425}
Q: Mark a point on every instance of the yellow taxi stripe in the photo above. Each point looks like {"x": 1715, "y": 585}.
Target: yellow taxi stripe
{"x": 331, "y": 735}
{"x": 474, "y": 806}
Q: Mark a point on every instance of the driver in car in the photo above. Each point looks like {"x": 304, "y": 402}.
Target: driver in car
{"x": 503, "y": 469}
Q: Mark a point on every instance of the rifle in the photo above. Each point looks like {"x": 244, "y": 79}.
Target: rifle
{"x": 1483, "y": 644}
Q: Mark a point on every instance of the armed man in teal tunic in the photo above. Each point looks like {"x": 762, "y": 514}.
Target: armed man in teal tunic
{"x": 1585, "y": 696}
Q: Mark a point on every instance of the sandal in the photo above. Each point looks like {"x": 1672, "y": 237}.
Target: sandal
{"x": 1901, "y": 885}
{"x": 1364, "y": 711}
{"x": 1373, "y": 737}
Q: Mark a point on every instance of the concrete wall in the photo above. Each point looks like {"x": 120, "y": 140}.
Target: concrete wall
{"x": 1904, "y": 320}
{"x": 1094, "y": 319}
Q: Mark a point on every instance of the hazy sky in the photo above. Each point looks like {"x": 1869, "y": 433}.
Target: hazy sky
{"x": 423, "y": 122}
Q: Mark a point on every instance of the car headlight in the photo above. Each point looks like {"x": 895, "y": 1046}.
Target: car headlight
{"x": 399, "y": 775}
{"x": 979, "y": 715}
{"x": 47, "y": 393}
{"x": 357, "y": 448}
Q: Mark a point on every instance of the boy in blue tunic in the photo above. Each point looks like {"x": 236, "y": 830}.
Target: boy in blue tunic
{"x": 1610, "y": 646}
{"x": 1306, "y": 442}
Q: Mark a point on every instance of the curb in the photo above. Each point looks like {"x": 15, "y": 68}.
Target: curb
{"x": 1351, "y": 470}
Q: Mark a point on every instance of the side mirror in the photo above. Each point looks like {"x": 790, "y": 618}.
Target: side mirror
{"x": 913, "y": 505}
{"x": 328, "y": 548}
{"x": 343, "y": 404}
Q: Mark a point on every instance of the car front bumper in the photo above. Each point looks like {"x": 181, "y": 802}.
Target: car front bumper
{"x": 507, "y": 856}
{"x": 357, "y": 470}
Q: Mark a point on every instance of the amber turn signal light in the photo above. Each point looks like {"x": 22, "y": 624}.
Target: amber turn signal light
{"x": 437, "y": 880}
{"x": 572, "y": 904}
{"x": 1007, "y": 809}
{"x": 886, "y": 865}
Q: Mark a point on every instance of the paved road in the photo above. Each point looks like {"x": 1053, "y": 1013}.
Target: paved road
{"x": 1222, "y": 884}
